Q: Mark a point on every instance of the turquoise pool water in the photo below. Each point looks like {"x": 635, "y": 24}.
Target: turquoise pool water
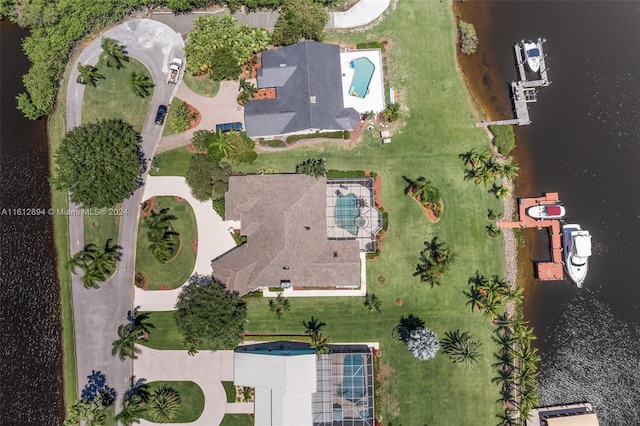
{"x": 346, "y": 213}
{"x": 364, "y": 69}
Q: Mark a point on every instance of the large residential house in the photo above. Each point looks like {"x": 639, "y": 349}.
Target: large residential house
{"x": 295, "y": 387}
{"x": 301, "y": 231}
{"x": 309, "y": 96}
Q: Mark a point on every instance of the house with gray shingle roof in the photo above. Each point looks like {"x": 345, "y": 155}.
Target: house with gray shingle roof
{"x": 307, "y": 77}
{"x": 289, "y": 242}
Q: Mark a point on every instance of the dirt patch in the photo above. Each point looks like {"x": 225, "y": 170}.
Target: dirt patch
{"x": 178, "y": 199}
{"x": 388, "y": 393}
{"x": 382, "y": 279}
{"x": 398, "y": 301}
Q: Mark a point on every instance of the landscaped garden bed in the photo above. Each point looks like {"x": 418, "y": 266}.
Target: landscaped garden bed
{"x": 176, "y": 269}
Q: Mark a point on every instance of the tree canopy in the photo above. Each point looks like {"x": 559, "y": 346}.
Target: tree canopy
{"x": 300, "y": 19}
{"x": 211, "y": 33}
{"x": 207, "y": 177}
{"x": 210, "y": 315}
{"x": 99, "y": 163}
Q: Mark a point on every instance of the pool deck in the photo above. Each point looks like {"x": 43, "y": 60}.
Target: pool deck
{"x": 374, "y": 100}
{"x": 545, "y": 271}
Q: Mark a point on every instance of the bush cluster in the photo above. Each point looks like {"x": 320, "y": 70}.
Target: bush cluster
{"x": 371, "y": 45}
{"x": 468, "y": 38}
{"x": 340, "y": 134}
{"x": 504, "y": 138}
{"x": 346, "y": 174}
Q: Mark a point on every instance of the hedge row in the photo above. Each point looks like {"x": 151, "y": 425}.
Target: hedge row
{"x": 340, "y": 134}
{"x": 371, "y": 45}
{"x": 346, "y": 174}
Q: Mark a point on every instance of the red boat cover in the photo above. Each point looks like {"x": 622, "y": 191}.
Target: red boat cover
{"x": 553, "y": 210}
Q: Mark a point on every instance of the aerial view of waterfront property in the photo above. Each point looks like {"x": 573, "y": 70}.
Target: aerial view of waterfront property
{"x": 314, "y": 213}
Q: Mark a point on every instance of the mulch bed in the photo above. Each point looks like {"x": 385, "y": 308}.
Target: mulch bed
{"x": 178, "y": 199}
{"x": 194, "y": 246}
{"x": 194, "y": 123}
{"x": 149, "y": 204}
{"x": 192, "y": 149}
{"x": 428, "y": 212}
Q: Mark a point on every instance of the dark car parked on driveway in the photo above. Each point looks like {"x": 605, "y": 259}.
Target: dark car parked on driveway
{"x": 162, "y": 112}
{"x": 227, "y": 127}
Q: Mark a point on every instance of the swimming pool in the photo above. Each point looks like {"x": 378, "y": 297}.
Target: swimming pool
{"x": 364, "y": 69}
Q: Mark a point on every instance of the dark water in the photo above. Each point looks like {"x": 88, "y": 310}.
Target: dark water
{"x": 584, "y": 143}
{"x": 31, "y": 390}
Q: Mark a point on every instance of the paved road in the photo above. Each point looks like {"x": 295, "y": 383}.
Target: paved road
{"x": 214, "y": 238}
{"x": 98, "y": 313}
{"x": 362, "y": 13}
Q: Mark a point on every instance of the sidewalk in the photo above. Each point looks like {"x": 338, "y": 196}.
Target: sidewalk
{"x": 214, "y": 238}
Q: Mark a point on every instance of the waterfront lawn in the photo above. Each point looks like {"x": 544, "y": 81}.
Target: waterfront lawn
{"x": 192, "y": 400}
{"x": 175, "y": 273}
{"x": 202, "y": 86}
{"x": 171, "y": 163}
{"x": 237, "y": 420}
{"x": 438, "y": 126}
{"x": 59, "y": 201}
{"x": 114, "y": 98}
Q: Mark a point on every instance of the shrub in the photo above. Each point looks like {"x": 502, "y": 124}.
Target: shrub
{"x": 391, "y": 112}
{"x": 468, "y": 38}
{"x": 371, "y": 45}
{"x": 503, "y": 138}
{"x": 223, "y": 65}
{"x": 218, "y": 206}
{"x": 346, "y": 174}
{"x": 182, "y": 117}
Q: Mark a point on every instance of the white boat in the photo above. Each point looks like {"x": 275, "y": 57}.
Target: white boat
{"x": 576, "y": 246}
{"x": 546, "y": 211}
{"x": 531, "y": 55}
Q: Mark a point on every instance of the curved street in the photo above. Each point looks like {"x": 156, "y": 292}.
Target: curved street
{"x": 99, "y": 312}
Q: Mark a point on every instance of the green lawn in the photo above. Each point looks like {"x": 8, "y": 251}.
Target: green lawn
{"x": 237, "y": 420}
{"x": 202, "y": 86}
{"x": 171, "y": 163}
{"x": 230, "y": 391}
{"x": 113, "y": 98}
{"x": 176, "y": 272}
{"x": 168, "y": 128}
{"x": 192, "y": 400}
{"x": 99, "y": 228}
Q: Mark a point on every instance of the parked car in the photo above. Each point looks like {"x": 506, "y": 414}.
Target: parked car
{"x": 162, "y": 112}
{"x": 227, "y": 127}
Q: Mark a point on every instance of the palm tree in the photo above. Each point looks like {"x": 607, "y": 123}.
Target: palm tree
{"x": 509, "y": 171}
{"x": 97, "y": 265}
{"x": 422, "y": 190}
{"x": 492, "y": 168}
{"x": 88, "y": 74}
{"x": 247, "y": 91}
{"x": 499, "y": 191}
{"x": 406, "y": 325}
{"x": 482, "y": 157}
{"x": 279, "y": 305}
{"x": 468, "y": 158}
{"x": 478, "y": 280}
{"x": 321, "y": 345}
{"x": 492, "y": 307}
{"x": 423, "y": 343}
{"x": 140, "y": 84}
{"x": 139, "y": 321}
{"x": 514, "y": 295}
{"x": 125, "y": 346}
{"x": 505, "y": 360}
{"x": 113, "y": 54}
{"x": 476, "y": 175}
{"x": 138, "y": 389}
{"x": 372, "y": 302}
{"x": 504, "y": 377}
{"x": 157, "y": 223}
{"x": 476, "y": 298}
{"x": 131, "y": 412}
{"x": 313, "y": 328}
{"x": 219, "y": 146}
{"x": 164, "y": 404}
{"x": 461, "y": 348}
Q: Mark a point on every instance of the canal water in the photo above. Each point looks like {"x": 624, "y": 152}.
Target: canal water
{"x": 31, "y": 391}
{"x": 584, "y": 142}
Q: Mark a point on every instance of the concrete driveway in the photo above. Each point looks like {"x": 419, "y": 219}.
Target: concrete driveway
{"x": 214, "y": 238}
{"x": 98, "y": 313}
{"x": 207, "y": 369}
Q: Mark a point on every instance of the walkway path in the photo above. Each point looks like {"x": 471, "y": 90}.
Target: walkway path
{"x": 207, "y": 369}
{"x": 362, "y": 13}
{"x": 98, "y": 313}
{"x": 214, "y": 238}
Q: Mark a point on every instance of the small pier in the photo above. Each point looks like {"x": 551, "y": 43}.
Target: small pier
{"x": 545, "y": 271}
{"x": 523, "y": 91}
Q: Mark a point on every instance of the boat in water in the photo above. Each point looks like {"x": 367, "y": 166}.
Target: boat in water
{"x": 576, "y": 246}
{"x": 531, "y": 55}
{"x": 546, "y": 211}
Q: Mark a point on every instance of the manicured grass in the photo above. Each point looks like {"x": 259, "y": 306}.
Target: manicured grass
{"x": 176, "y": 272}
{"x": 192, "y": 400}
{"x": 165, "y": 334}
{"x": 113, "y": 98}
{"x": 61, "y": 236}
{"x": 171, "y": 163}
{"x": 98, "y": 228}
{"x": 202, "y": 86}
{"x": 230, "y": 391}
{"x": 237, "y": 420}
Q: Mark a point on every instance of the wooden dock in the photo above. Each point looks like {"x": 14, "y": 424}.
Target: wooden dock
{"x": 523, "y": 91}
{"x": 545, "y": 271}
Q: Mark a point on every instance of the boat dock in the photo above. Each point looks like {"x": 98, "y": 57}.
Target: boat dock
{"x": 523, "y": 91}
{"x": 545, "y": 271}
